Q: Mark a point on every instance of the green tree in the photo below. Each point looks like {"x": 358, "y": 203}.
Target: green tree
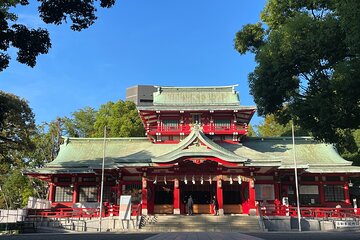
{"x": 82, "y": 123}
{"x": 251, "y": 131}
{"x": 46, "y": 140}
{"x": 17, "y": 125}
{"x": 21, "y": 145}
{"x": 121, "y": 120}
{"x": 33, "y": 42}
{"x": 307, "y": 55}
{"x": 271, "y": 127}
{"x": 352, "y": 154}
{"x": 16, "y": 189}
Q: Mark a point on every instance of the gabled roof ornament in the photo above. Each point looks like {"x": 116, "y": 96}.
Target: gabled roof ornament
{"x": 196, "y": 127}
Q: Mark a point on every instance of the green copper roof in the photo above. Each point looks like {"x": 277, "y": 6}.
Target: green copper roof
{"x": 88, "y": 152}
{"x": 311, "y": 155}
{"x": 81, "y": 155}
{"x": 190, "y": 96}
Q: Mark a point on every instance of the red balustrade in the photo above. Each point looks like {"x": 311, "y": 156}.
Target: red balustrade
{"x": 186, "y": 129}
{"x": 110, "y": 210}
{"x": 309, "y": 212}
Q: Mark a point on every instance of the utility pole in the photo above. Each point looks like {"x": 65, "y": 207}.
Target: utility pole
{"x": 296, "y": 176}
{"x": 102, "y": 180}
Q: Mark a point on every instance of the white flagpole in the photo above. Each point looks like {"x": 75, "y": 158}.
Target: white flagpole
{"x": 296, "y": 177}
{"x": 102, "y": 180}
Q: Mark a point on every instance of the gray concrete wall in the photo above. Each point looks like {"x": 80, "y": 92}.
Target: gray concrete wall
{"x": 111, "y": 224}
{"x": 277, "y": 223}
{"x": 306, "y": 224}
{"x": 289, "y": 224}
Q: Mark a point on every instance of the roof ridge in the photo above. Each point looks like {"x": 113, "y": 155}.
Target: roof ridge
{"x": 285, "y": 138}
{"x": 204, "y": 87}
{"x": 101, "y": 138}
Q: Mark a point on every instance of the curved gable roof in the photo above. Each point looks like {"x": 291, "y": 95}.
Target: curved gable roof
{"x": 197, "y": 144}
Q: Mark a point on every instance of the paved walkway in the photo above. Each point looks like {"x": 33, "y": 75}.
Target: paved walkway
{"x": 203, "y": 236}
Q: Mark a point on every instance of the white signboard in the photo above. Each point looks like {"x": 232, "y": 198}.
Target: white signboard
{"x": 346, "y": 224}
{"x": 125, "y": 207}
{"x": 37, "y": 203}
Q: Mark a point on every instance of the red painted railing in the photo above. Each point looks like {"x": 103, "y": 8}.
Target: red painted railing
{"x": 112, "y": 210}
{"x": 186, "y": 129}
{"x": 310, "y": 212}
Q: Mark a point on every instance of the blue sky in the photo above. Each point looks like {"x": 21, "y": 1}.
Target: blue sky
{"x": 137, "y": 42}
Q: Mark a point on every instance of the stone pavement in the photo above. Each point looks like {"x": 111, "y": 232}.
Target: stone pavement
{"x": 203, "y": 236}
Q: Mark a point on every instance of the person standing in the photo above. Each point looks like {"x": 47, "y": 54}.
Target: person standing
{"x": 189, "y": 205}
{"x": 216, "y": 206}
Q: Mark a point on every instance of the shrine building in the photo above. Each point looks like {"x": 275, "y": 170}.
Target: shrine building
{"x": 196, "y": 145}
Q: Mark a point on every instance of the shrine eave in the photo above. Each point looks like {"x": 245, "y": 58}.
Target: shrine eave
{"x": 197, "y": 108}
{"x": 334, "y": 169}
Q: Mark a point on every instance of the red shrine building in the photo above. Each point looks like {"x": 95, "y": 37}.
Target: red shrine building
{"x": 196, "y": 145}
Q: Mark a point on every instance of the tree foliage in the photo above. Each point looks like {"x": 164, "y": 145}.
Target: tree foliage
{"x": 121, "y": 120}
{"x": 16, "y": 190}
{"x": 251, "y": 131}
{"x": 47, "y": 140}
{"x": 22, "y": 144}
{"x": 82, "y": 122}
{"x": 271, "y": 127}
{"x": 17, "y": 125}
{"x": 33, "y": 42}
{"x": 308, "y": 65}
{"x": 352, "y": 152}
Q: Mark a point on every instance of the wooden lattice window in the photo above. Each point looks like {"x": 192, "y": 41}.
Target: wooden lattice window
{"x": 88, "y": 193}
{"x": 222, "y": 123}
{"x": 334, "y": 193}
{"x": 63, "y": 194}
{"x": 170, "y": 124}
{"x": 309, "y": 194}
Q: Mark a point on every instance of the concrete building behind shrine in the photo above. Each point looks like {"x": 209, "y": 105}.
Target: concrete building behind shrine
{"x": 196, "y": 144}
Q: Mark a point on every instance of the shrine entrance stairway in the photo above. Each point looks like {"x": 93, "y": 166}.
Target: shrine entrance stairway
{"x": 200, "y": 223}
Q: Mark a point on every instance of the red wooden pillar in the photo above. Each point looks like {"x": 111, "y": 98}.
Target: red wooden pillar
{"x": 150, "y": 200}
{"x": 321, "y": 194}
{"x": 219, "y": 193}
{"x": 51, "y": 192}
{"x": 158, "y": 124}
{"x": 176, "y": 197}
{"x": 75, "y": 192}
{"x": 346, "y": 193}
{"x": 252, "y": 199}
{"x": 118, "y": 193}
{"x": 277, "y": 191}
{"x": 144, "y": 195}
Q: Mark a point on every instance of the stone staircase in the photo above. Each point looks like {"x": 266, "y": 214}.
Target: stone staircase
{"x": 200, "y": 223}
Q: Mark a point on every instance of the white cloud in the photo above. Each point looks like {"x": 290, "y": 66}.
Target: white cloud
{"x": 30, "y": 20}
